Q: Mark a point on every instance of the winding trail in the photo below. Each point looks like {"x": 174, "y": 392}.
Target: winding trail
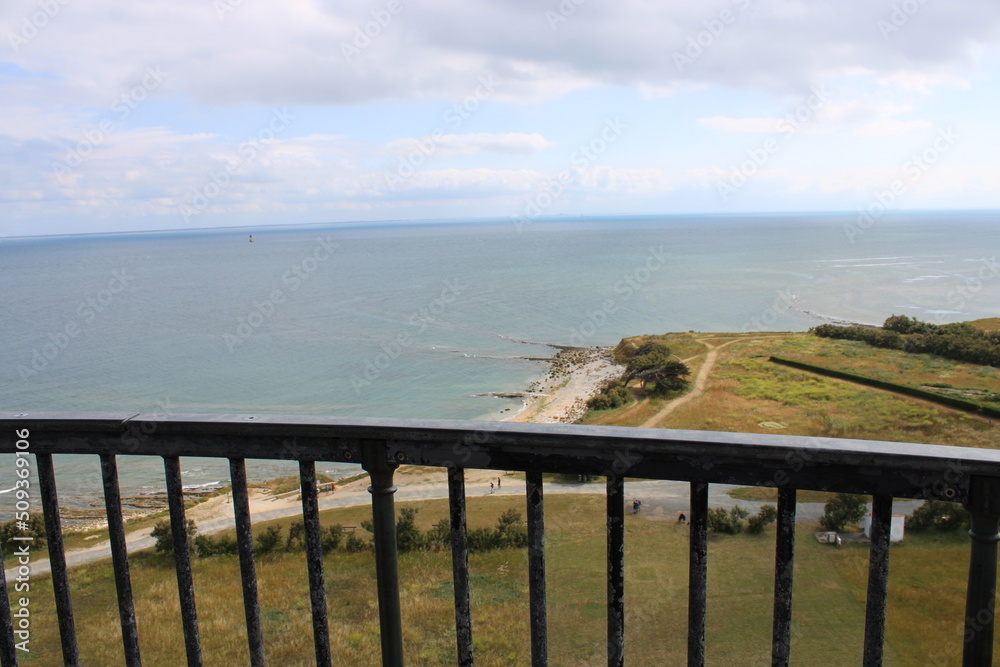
{"x": 700, "y": 380}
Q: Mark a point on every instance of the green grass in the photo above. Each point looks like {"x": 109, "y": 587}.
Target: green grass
{"x": 925, "y": 605}
{"x": 770, "y": 495}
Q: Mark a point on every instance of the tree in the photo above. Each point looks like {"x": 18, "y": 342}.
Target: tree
{"x": 938, "y": 515}
{"x": 652, "y": 363}
{"x": 843, "y": 509}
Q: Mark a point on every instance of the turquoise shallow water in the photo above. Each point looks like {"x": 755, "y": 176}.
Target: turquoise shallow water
{"x": 413, "y": 320}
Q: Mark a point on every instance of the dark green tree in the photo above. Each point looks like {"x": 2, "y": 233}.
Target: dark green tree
{"x": 843, "y": 509}
{"x": 653, "y": 364}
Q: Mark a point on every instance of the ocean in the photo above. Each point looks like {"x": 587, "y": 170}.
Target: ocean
{"x": 416, "y": 319}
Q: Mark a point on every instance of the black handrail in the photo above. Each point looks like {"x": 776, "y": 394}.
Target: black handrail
{"x": 882, "y": 469}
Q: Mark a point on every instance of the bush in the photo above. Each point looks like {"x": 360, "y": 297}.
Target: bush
{"x": 614, "y": 394}
{"x": 296, "y": 536}
{"x": 938, "y": 515}
{"x": 34, "y": 528}
{"x": 731, "y": 522}
{"x": 268, "y": 541}
{"x": 207, "y": 547}
{"x": 354, "y": 544}
{"x": 165, "y": 539}
{"x": 408, "y": 536}
{"x": 768, "y": 514}
{"x": 331, "y": 539}
{"x": 843, "y": 509}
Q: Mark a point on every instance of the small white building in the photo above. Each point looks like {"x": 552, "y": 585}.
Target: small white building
{"x": 895, "y": 527}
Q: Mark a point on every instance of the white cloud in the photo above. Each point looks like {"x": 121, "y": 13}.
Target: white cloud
{"x": 892, "y": 127}
{"x": 471, "y": 144}
{"x": 740, "y": 124}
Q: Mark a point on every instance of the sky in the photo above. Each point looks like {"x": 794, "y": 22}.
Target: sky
{"x": 122, "y": 116}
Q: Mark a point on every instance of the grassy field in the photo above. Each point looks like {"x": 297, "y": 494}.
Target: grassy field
{"x": 927, "y": 582}
{"x": 745, "y": 392}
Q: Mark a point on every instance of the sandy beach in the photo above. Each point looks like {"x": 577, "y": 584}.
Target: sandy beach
{"x": 576, "y": 375}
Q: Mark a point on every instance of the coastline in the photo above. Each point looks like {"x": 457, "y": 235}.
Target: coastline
{"x": 560, "y": 396}
{"x": 575, "y": 375}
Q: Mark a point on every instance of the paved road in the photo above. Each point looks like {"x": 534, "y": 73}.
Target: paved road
{"x": 661, "y": 500}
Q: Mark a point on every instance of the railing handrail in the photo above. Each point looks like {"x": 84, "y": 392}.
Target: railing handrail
{"x": 803, "y": 462}
{"x": 881, "y": 469}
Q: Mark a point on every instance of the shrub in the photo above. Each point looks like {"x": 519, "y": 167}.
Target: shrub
{"x": 439, "y": 537}
{"x": 331, "y": 539}
{"x": 354, "y": 544}
{"x": 614, "y": 394}
{"x": 938, "y": 515}
{"x": 223, "y": 545}
{"x": 767, "y": 515}
{"x": 165, "y": 539}
{"x": 296, "y": 536}
{"x": 408, "y": 536}
{"x": 34, "y": 527}
{"x": 731, "y": 522}
{"x": 843, "y": 509}
{"x": 268, "y": 541}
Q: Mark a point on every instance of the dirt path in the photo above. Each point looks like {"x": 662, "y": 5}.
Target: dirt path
{"x": 700, "y": 380}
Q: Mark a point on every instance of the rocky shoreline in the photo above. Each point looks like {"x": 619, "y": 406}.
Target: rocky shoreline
{"x": 575, "y": 375}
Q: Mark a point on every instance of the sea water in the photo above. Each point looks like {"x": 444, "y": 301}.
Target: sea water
{"x": 418, "y": 319}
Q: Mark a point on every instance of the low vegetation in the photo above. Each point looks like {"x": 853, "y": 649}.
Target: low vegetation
{"x": 737, "y": 519}
{"x": 960, "y": 341}
{"x": 509, "y": 533}
{"x": 926, "y": 597}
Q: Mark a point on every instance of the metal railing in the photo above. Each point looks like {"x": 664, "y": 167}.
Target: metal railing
{"x": 881, "y": 469}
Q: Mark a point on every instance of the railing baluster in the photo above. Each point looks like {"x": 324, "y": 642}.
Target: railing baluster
{"x": 57, "y": 559}
{"x": 8, "y": 653}
{"x": 314, "y": 561}
{"x": 878, "y": 579}
{"x": 248, "y": 570}
{"x": 980, "y": 596}
{"x": 119, "y": 559}
{"x": 536, "y": 569}
{"x": 460, "y": 565}
{"x": 698, "y": 573}
{"x": 376, "y": 462}
{"x": 784, "y": 561}
{"x": 182, "y": 559}
{"x": 616, "y": 570}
